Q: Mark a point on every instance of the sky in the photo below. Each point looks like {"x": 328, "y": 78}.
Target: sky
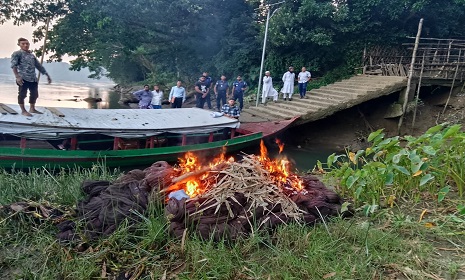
{"x": 10, "y": 34}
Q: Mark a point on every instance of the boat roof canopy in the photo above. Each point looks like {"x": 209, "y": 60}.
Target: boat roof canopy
{"x": 125, "y": 123}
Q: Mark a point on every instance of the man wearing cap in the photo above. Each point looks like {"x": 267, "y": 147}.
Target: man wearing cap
{"x": 221, "y": 92}
{"x": 24, "y": 64}
{"x": 268, "y": 90}
{"x": 239, "y": 88}
{"x": 288, "y": 79}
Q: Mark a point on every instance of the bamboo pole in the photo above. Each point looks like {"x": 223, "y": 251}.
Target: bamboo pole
{"x": 451, "y": 90}
{"x": 43, "y": 47}
{"x": 410, "y": 76}
{"x": 417, "y": 97}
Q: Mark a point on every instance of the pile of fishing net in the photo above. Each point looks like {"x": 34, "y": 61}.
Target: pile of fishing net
{"x": 241, "y": 197}
{"x": 108, "y": 204}
{"x": 229, "y": 199}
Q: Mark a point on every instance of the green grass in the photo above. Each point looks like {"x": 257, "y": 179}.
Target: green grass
{"x": 391, "y": 244}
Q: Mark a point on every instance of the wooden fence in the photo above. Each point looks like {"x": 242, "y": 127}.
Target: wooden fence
{"x": 441, "y": 59}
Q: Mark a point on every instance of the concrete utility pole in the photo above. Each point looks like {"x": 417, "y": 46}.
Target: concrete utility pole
{"x": 268, "y": 16}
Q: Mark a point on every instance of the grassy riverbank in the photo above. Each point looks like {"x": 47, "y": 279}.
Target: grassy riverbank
{"x": 415, "y": 235}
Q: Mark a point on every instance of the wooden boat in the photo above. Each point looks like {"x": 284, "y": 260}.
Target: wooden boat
{"x": 118, "y": 138}
{"x": 268, "y": 128}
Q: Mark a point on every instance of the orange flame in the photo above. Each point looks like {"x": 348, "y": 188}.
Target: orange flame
{"x": 192, "y": 188}
{"x": 263, "y": 151}
{"x": 280, "y": 145}
{"x": 279, "y": 170}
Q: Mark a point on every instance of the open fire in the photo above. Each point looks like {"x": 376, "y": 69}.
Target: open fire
{"x": 193, "y": 176}
{"x": 229, "y": 199}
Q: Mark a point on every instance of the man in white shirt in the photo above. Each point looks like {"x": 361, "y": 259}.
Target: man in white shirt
{"x": 177, "y": 95}
{"x": 157, "y": 97}
{"x": 303, "y": 79}
{"x": 268, "y": 90}
{"x": 288, "y": 88}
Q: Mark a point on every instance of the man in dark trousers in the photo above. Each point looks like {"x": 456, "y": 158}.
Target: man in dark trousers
{"x": 209, "y": 81}
{"x": 201, "y": 92}
{"x": 177, "y": 95}
{"x": 24, "y": 64}
{"x": 239, "y": 88}
{"x": 221, "y": 92}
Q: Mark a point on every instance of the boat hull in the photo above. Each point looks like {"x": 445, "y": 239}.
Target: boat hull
{"x": 36, "y": 158}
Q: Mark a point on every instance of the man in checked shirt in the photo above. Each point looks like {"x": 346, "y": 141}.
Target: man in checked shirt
{"x": 231, "y": 110}
{"x": 24, "y": 64}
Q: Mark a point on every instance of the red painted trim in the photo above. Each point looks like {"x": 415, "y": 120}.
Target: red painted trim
{"x": 22, "y": 143}
{"x": 184, "y": 140}
{"x": 115, "y": 143}
{"x": 74, "y": 143}
{"x": 150, "y": 142}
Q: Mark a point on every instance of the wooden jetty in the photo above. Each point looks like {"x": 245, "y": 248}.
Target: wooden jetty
{"x": 385, "y": 71}
{"x": 328, "y": 100}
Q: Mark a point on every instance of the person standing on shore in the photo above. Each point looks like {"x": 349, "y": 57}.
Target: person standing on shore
{"x": 303, "y": 78}
{"x": 221, "y": 92}
{"x": 209, "y": 81}
{"x": 288, "y": 88}
{"x": 145, "y": 97}
{"x": 157, "y": 97}
{"x": 201, "y": 92}
{"x": 268, "y": 90}
{"x": 239, "y": 88}
{"x": 177, "y": 95}
{"x": 24, "y": 64}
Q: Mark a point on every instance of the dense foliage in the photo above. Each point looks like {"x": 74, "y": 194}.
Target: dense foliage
{"x": 161, "y": 40}
{"x": 430, "y": 165}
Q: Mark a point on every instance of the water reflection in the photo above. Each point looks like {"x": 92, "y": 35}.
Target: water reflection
{"x": 64, "y": 94}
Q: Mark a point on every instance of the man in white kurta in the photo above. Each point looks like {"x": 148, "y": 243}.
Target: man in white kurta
{"x": 268, "y": 90}
{"x": 288, "y": 88}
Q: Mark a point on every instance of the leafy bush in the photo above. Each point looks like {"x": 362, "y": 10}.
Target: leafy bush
{"x": 397, "y": 167}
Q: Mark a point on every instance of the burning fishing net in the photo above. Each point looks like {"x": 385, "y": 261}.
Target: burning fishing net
{"x": 221, "y": 199}
{"x": 228, "y": 199}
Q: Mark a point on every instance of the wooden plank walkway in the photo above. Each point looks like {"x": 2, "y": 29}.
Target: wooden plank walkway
{"x": 325, "y": 101}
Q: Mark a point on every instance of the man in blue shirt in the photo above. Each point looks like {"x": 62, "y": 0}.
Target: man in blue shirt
{"x": 209, "y": 81}
{"x": 239, "y": 88}
{"x": 221, "y": 92}
{"x": 201, "y": 92}
{"x": 177, "y": 95}
{"x": 145, "y": 97}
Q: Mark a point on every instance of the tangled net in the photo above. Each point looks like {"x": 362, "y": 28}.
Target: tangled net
{"x": 240, "y": 197}
{"x": 224, "y": 200}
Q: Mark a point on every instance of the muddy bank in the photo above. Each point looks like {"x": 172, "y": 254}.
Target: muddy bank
{"x": 350, "y": 128}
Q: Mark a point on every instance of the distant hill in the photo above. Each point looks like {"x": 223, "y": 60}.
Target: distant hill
{"x": 59, "y": 71}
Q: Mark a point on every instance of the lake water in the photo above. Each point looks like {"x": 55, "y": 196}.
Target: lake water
{"x": 63, "y": 94}
{"x": 72, "y": 95}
